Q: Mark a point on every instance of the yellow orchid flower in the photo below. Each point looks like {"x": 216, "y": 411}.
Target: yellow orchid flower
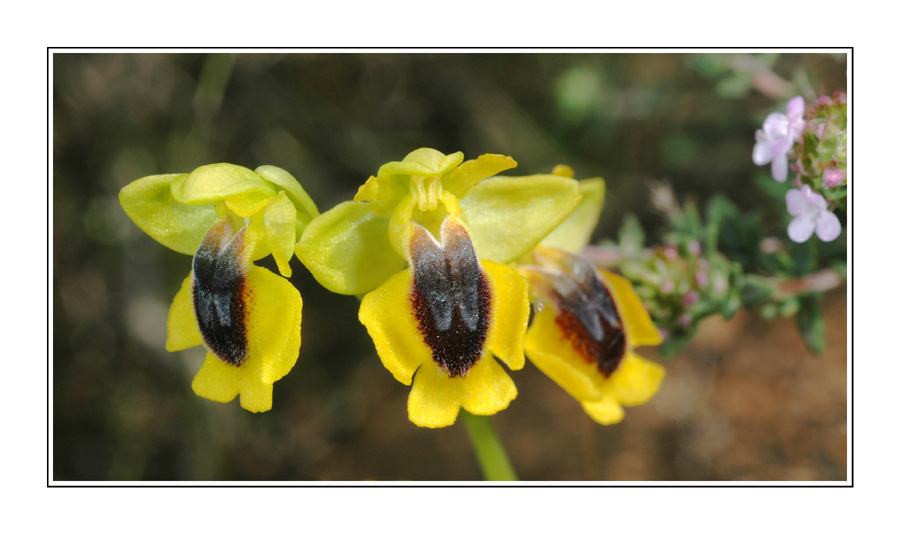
{"x": 428, "y": 238}
{"x": 439, "y": 319}
{"x": 248, "y": 318}
{"x": 585, "y": 334}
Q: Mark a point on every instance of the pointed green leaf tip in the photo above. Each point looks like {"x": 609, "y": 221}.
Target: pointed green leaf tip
{"x": 507, "y": 217}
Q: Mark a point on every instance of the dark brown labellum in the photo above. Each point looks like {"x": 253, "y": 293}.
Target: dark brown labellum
{"x": 450, "y": 297}
{"x": 219, "y": 293}
{"x": 587, "y": 313}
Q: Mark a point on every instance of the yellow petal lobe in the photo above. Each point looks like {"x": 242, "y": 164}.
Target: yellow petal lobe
{"x": 279, "y": 223}
{"x": 509, "y": 314}
{"x": 181, "y": 326}
{"x": 273, "y": 312}
{"x": 639, "y": 329}
{"x": 435, "y": 398}
{"x": 636, "y": 380}
{"x": 550, "y": 351}
{"x": 388, "y": 316}
{"x": 605, "y": 412}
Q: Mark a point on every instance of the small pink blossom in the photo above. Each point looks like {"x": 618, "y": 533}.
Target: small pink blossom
{"x": 690, "y": 298}
{"x": 833, "y": 177}
{"x": 667, "y": 287}
{"x": 778, "y": 134}
{"x": 811, "y": 214}
{"x": 701, "y": 278}
{"x": 694, "y": 247}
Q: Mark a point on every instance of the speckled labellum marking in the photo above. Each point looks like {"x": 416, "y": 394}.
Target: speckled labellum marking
{"x": 451, "y": 297}
{"x": 587, "y": 314}
{"x": 219, "y": 293}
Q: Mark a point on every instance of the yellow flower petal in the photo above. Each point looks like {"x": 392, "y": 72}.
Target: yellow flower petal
{"x": 248, "y": 204}
{"x": 435, "y": 398}
{"x": 382, "y": 193}
{"x": 509, "y": 314}
{"x": 638, "y": 327}
{"x": 388, "y": 316}
{"x": 470, "y": 173}
{"x": 605, "y": 412}
{"x": 273, "y": 307}
{"x": 181, "y": 326}
{"x": 279, "y": 223}
{"x": 551, "y": 352}
{"x": 636, "y": 380}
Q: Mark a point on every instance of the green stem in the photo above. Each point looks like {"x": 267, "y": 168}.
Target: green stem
{"x": 490, "y": 452}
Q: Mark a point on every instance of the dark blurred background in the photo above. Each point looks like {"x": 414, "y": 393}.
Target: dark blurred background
{"x": 744, "y": 401}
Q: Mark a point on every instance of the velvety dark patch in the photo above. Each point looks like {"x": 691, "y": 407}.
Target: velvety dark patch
{"x": 588, "y": 316}
{"x": 451, "y": 297}
{"x": 218, "y": 289}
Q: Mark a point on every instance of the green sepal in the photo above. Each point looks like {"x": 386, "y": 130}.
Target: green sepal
{"x": 574, "y": 233}
{"x": 507, "y": 217}
{"x": 348, "y": 250}
{"x": 422, "y": 162}
{"x": 306, "y": 208}
{"x": 149, "y": 203}
{"x": 219, "y": 181}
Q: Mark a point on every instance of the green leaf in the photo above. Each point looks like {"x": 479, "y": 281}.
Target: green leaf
{"x": 507, "y": 217}
{"x": 347, "y": 249}
{"x": 811, "y": 322}
{"x": 755, "y": 290}
{"x": 575, "y": 231}
{"x": 148, "y": 202}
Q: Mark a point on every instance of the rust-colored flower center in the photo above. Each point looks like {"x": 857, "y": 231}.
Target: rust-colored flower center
{"x": 451, "y": 297}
